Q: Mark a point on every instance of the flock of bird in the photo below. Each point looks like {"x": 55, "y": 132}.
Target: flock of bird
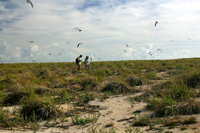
{"x": 79, "y": 30}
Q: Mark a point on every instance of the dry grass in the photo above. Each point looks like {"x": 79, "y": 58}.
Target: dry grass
{"x": 39, "y": 87}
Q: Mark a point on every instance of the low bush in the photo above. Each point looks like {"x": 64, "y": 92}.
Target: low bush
{"x": 134, "y": 81}
{"x": 14, "y": 98}
{"x": 37, "y": 110}
{"x": 88, "y": 83}
{"x": 141, "y": 121}
{"x": 162, "y": 106}
{"x": 116, "y": 88}
{"x": 187, "y": 108}
{"x": 76, "y": 119}
{"x": 194, "y": 80}
{"x": 85, "y": 97}
{"x": 43, "y": 91}
{"x": 4, "y": 83}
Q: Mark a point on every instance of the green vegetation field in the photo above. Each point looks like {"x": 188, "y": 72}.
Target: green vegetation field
{"x": 37, "y": 92}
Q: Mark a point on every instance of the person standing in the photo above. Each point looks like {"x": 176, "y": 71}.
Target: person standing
{"x": 87, "y": 63}
{"x": 78, "y": 62}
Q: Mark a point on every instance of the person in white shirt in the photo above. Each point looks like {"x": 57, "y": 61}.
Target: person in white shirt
{"x": 78, "y": 62}
{"x": 87, "y": 63}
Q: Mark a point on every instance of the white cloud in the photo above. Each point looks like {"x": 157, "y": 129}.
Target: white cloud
{"x": 105, "y": 24}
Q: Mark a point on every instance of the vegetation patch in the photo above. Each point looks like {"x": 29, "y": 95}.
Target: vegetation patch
{"x": 37, "y": 110}
{"x": 187, "y": 108}
{"x": 88, "y": 83}
{"x": 194, "y": 80}
{"x": 134, "y": 81}
{"x": 14, "y": 98}
{"x": 190, "y": 120}
{"x": 76, "y": 119}
{"x": 141, "y": 121}
{"x": 116, "y": 88}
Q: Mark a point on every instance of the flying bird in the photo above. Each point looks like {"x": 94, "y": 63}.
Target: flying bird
{"x": 31, "y": 41}
{"x": 78, "y": 29}
{"x": 28, "y": 1}
{"x": 126, "y": 45}
{"x": 159, "y": 49}
{"x": 150, "y": 53}
{"x": 60, "y": 54}
{"x": 49, "y": 53}
{"x": 125, "y": 51}
{"x": 156, "y": 23}
{"x": 79, "y": 44}
{"x": 171, "y": 40}
{"x": 68, "y": 43}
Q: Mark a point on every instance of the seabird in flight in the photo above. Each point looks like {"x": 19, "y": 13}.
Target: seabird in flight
{"x": 79, "y": 44}
{"x": 156, "y": 23}
{"x": 28, "y": 1}
{"x": 78, "y": 29}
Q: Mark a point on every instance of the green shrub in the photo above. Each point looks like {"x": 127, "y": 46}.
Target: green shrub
{"x": 43, "y": 91}
{"x": 6, "y": 121}
{"x": 187, "y": 108}
{"x": 85, "y": 97}
{"x": 194, "y": 80}
{"x": 141, "y": 121}
{"x": 180, "y": 92}
{"x": 134, "y": 81}
{"x": 190, "y": 120}
{"x": 88, "y": 83}
{"x": 76, "y": 119}
{"x": 151, "y": 75}
{"x": 64, "y": 97}
{"x": 4, "y": 83}
{"x": 14, "y": 98}
{"x": 37, "y": 110}
{"x": 162, "y": 106}
{"x": 116, "y": 88}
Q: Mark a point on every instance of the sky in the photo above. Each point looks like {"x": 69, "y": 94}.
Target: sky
{"x": 110, "y": 30}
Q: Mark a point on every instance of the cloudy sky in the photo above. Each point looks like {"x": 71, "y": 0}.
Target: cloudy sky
{"x": 45, "y": 33}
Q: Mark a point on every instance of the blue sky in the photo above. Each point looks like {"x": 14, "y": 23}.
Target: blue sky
{"x": 107, "y": 26}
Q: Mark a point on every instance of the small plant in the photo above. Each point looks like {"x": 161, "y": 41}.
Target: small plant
{"x": 134, "y": 81}
{"x": 40, "y": 110}
{"x": 85, "y": 97}
{"x": 104, "y": 96}
{"x": 6, "y": 121}
{"x": 43, "y": 91}
{"x": 183, "y": 128}
{"x": 4, "y": 83}
{"x": 191, "y": 120}
{"x": 88, "y": 83}
{"x": 64, "y": 97}
{"x": 151, "y": 75}
{"x": 14, "y": 98}
{"x": 162, "y": 106}
{"x": 141, "y": 121}
{"x": 193, "y": 80}
{"x": 187, "y": 108}
{"x": 116, "y": 88}
{"x": 171, "y": 123}
{"x": 76, "y": 119}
